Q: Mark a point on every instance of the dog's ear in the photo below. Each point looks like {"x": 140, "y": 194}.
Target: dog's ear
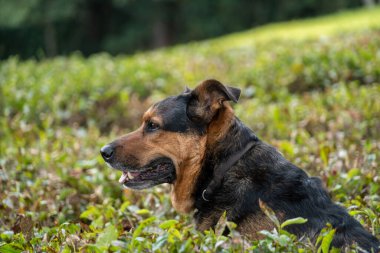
{"x": 207, "y": 98}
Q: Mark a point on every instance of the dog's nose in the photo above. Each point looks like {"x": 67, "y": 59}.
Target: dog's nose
{"x": 107, "y": 152}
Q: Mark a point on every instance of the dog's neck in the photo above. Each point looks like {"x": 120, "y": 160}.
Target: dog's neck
{"x": 227, "y": 135}
{"x": 228, "y": 140}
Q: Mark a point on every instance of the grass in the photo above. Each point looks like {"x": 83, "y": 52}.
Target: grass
{"x": 310, "y": 88}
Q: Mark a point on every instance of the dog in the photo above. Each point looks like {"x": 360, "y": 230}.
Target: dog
{"x": 216, "y": 164}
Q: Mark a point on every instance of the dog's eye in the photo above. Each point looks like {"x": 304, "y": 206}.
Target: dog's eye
{"x": 151, "y": 126}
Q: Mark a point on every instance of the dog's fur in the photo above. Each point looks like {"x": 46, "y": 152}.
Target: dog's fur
{"x": 187, "y": 138}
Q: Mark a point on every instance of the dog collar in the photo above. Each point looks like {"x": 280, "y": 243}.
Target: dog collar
{"x": 222, "y": 169}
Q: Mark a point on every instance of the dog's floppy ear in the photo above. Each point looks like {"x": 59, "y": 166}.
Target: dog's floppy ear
{"x": 207, "y": 98}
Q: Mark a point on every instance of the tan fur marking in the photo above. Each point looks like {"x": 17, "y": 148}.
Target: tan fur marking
{"x": 185, "y": 150}
{"x": 255, "y": 223}
{"x": 187, "y": 172}
{"x": 207, "y": 222}
{"x": 149, "y": 114}
{"x": 156, "y": 119}
{"x": 220, "y": 125}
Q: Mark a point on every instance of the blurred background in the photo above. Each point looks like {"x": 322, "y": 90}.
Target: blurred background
{"x": 46, "y": 28}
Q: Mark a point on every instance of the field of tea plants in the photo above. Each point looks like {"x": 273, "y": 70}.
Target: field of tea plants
{"x": 310, "y": 88}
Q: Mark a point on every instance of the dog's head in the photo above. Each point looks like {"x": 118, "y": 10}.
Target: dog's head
{"x": 171, "y": 143}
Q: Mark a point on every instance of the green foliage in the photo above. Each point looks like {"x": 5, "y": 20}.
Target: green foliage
{"x": 315, "y": 98}
{"x": 298, "y": 220}
{"x": 105, "y": 238}
{"x": 325, "y": 238}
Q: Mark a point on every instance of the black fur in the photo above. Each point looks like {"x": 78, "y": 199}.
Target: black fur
{"x": 173, "y": 111}
{"x": 263, "y": 173}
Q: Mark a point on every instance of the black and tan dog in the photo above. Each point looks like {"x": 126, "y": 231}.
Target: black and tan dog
{"x": 215, "y": 163}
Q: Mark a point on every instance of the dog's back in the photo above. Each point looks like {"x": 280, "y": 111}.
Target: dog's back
{"x": 264, "y": 174}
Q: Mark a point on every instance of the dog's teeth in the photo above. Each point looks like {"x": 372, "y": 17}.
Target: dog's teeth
{"x": 123, "y": 178}
{"x": 130, "y": 176}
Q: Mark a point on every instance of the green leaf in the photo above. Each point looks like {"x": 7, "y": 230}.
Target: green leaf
{"x": 270, "y": 235}
{"x": 298, "y": 220}
{"x": 187, "y": 246}
{"x": 326, "y": 241}
{"x": 8, "y": 249}
{"x": 143, "y": 212}
{"x": 269, "y": 212}
{"x": 352, "y": 173}
{"x": 91, "y": 213}
{"x": 66, "y": 249}
{"x": 324, "y": 153}
{"x": 175, "y": 233}
{"x": 160, "y": 242}
{"x": 139, "y": 230}
{"x": 124, "y": 206}
{"x": 105, "y": 238}
{"x": 221, "y": 225}
{"x": 142, "y": 225}
{"x": 167, "y": 224}
{"x": 283, "y": 240}
{"x": 98, "y": 223}
{"x": 335, "y": 250}
{"x": 93, "y": 248}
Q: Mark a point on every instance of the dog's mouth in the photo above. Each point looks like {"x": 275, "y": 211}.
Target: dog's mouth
{"x": 158, "y": 171}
